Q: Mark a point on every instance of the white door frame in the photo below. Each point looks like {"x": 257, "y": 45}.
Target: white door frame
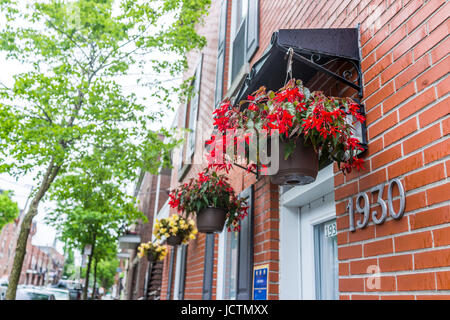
{"x": 320, "y": 211}
{"x": 292, "y": 286}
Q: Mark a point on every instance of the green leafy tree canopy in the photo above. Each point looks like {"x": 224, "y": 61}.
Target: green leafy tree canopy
{"x": 67, "y": 110}
{"x": 8, "y": 209}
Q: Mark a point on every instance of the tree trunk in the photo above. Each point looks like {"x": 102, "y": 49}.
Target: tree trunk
{"x": 88, "y": 270}
{"x": 25, "y": 227}
{"x": 19, "y": 255}
{"x": 95, "y": 279}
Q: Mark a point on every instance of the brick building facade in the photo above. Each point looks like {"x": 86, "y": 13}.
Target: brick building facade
{"x": 404, "y": 65}
{"x": 152, "y": 193}
{"x": 42, "y": 265}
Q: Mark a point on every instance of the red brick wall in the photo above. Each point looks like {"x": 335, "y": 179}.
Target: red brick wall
{"x": 196, "y": 249}
{"x": 405, "y": 64}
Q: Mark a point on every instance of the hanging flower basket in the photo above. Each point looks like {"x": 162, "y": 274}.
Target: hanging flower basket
{"x": 174, "y": 240}
{"x": 313, "y": 129}
{"x": 301, "y": 167}
{"x": 210, "y": 220}
{"x": 212, "y": 199}
{"x": 175, "y": 230}
{"x": 153, "y": 251}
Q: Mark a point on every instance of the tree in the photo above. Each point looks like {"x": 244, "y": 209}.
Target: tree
{"x": 92, "y": 207}
{"x": 91, "y": 212}
{"x": 103, "y": 259}
{"x": 69, "y": 264}
{"x": 107, "y": 269}
{"x": 105, "y": 251}
{"x": 68, "y": 105}
{"x": 8, "y": 209}
{"x": 82, "y": 227}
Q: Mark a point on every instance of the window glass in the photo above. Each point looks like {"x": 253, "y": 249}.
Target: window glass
{"x": 231, "y": 265}
{"x": 326, "y": 261}
{"x": 240, "y": 14}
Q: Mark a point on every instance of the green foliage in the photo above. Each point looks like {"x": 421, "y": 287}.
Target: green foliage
{"x": 107, "y": 264}
{"x": 8, "y": 209}
{"x": 69, "y": 265}
{"x": 106, "y": 271}
{"x": 68, "y": 102}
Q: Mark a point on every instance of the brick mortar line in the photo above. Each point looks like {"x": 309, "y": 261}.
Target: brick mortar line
{"x": 397, "y": 273}
{"x": 436, "y": 11}
{"x": 416, "y": 95}
{"x": 388, "y": 25}
{"x": 390, "y": 255}
{"x": 403, "y": 71}
{"x": 266, "y": 251}
{"x": 396, "y": 293}
{"x": 409, "y": 99}
{"x": 265, "y": 231}
{"x": 412, "y": 191}
{"x": 414, "y": 153}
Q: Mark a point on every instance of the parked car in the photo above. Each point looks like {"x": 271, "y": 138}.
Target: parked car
{"x": 33, "y": 294}
{"x": 73, "y": 287}
{"x": 60, "y": 294}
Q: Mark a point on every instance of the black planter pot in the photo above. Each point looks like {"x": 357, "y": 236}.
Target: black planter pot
{"x": 210, "y": 220}
{"x": 300, "y": 168}
{"x": 150, "y": 257}
{"x": 173, "y": 240}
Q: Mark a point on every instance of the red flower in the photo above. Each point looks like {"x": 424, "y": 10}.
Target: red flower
{"x": 353, "y": 144}
{"x": 253, "y": 107}
{"x": 359, "y": 117}
{"x": 222, "y": 123}
{"x": 301, "y": 106}
{"x": 289, "y": 94}
{"x": 174, "y": 202}
{"x": 202, "y": 178}
{"x": 358, "y": 163}
{"x": 210, "y": 141}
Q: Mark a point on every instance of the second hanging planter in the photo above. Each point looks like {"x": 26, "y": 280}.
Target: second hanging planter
{"x": 174, "y": 240}
{"x": 212, "y": 199}
{"x": 210, "y": 220}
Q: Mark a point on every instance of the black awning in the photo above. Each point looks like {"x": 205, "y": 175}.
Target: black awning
{"x": 313, "y": 48}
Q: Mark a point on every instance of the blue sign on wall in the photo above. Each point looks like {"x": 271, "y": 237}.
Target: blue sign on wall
{"x": 260, "y": 282}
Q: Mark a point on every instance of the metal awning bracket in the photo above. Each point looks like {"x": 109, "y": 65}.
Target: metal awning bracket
{"x": 321, "y": 68}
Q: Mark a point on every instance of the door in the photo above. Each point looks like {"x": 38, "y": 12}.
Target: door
{"x": 318, "y": 249}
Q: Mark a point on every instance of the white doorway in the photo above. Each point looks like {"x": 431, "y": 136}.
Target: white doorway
{"x": 308, "y": 248}
{"x": 318, "y": 250}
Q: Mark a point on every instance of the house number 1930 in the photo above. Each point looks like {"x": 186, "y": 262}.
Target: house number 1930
{"x": 365, "y": 210}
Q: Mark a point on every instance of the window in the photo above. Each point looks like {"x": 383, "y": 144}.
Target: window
{"x": 220, "y": 65}
{"x": 180, "y": 272}
{"x": 244, "y": 34}
{"x": 235, "y": 263}
{"x": 231, "y": 264}
{"x": 190, "y": 121}
{"x": 238, "y": 36}
{"x": 326, "y": 261}
{"x": 10, "y": 249}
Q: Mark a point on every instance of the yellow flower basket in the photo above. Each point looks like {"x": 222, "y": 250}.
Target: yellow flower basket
{"x": 175, "y": 226}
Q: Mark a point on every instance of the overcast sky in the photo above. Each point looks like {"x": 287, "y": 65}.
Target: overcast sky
{"x": 45, "y": 235}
